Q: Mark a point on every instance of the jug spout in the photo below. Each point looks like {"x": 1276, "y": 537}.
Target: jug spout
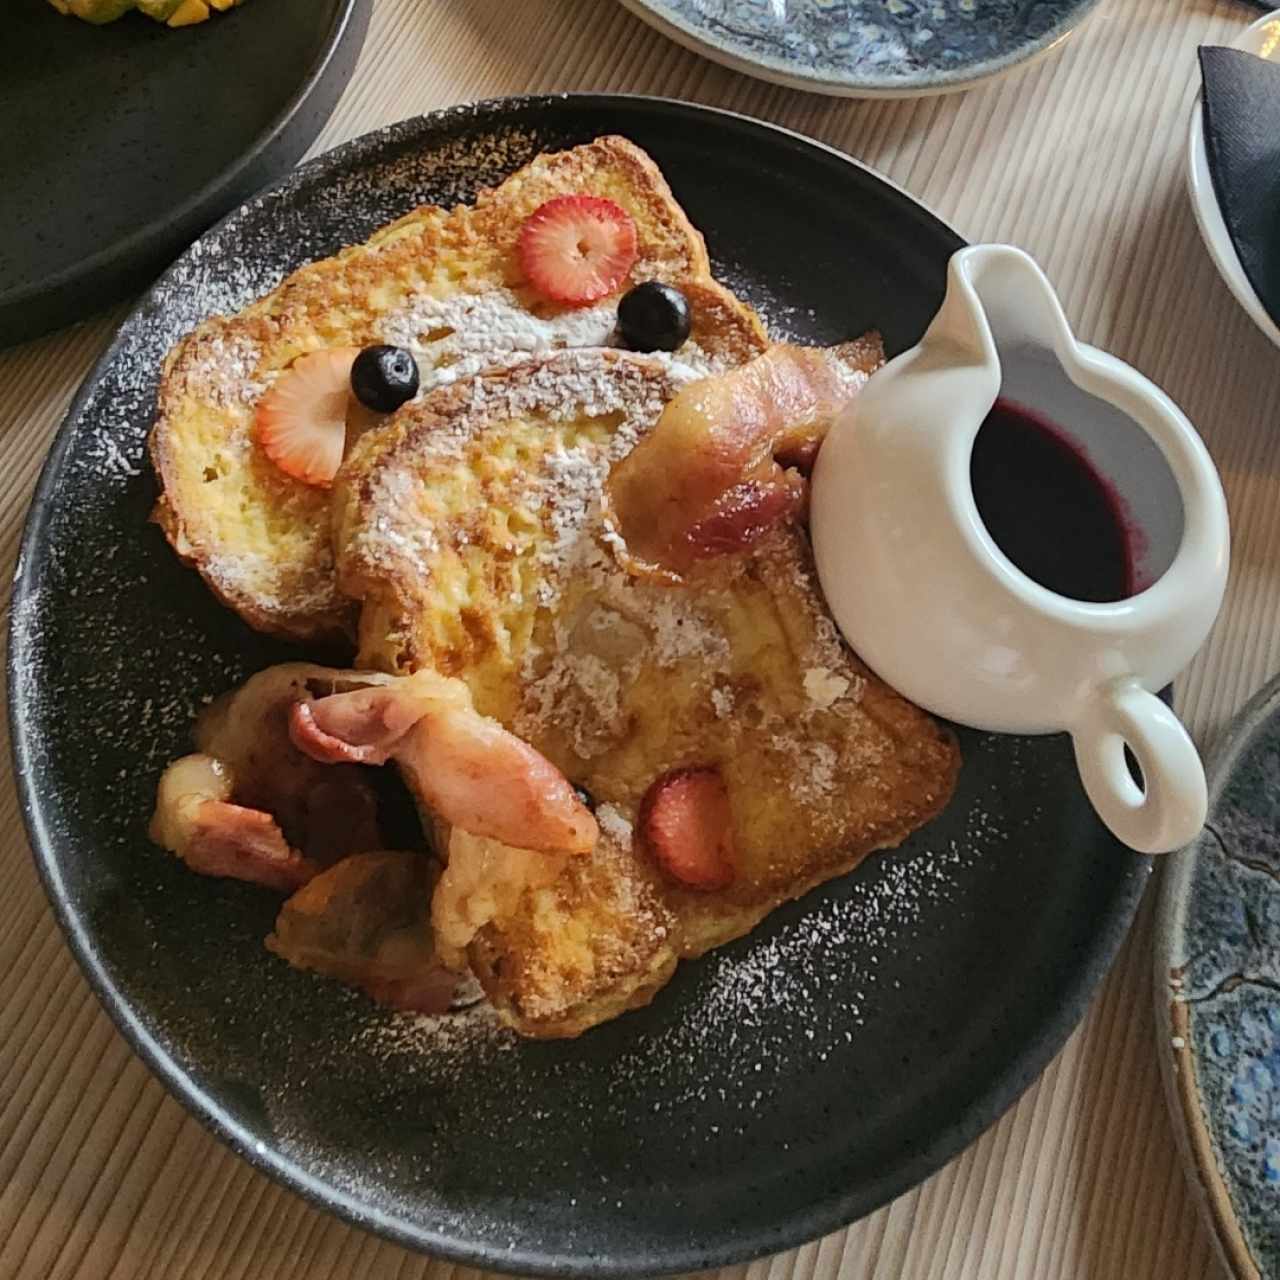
{"x": 931, "y": 602}
{"x": 996, "y": 297}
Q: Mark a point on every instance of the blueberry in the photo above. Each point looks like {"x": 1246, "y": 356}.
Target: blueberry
{"x": 654, "y": 317}
{"x": 383, "y": 378}
{"x": 585, "y": 796}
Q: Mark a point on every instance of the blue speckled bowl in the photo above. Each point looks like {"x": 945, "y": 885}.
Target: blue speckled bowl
{"x": 867, "y": 48}
{"x": 1218, "y": 994}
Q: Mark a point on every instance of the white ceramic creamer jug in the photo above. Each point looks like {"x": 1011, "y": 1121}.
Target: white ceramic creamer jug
{"x": 928, "y": 600}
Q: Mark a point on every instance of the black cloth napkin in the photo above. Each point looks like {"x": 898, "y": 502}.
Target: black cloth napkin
{"x": 1242, "y": 138}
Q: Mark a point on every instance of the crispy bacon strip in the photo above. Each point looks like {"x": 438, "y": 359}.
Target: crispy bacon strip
{"x": 245, "y": 844}
{"x": 481, "y": 778}
{"x": 364, "y": 726}
{"x": 713, "y": 475}
{"x": 307, "y": 734}
{"x": 195, "y": 820}
{"x": 470, "y": 770}
{"x": 742, "y": 515}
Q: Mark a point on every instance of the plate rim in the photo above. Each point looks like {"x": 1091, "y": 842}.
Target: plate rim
{"x": 350, "y": 20}
{"x": 1193, "y": 1132}
{"x": 832, "y": 1214}
{"x": 776, "y": 71}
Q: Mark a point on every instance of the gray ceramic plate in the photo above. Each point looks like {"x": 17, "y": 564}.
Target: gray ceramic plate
{"x": 1218, "y": 994}
{"x": 868, "y": 48}
{"x": 120, "y": 143}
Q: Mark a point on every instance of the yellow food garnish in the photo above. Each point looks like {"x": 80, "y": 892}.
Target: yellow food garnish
{"x": 173, "y": 13}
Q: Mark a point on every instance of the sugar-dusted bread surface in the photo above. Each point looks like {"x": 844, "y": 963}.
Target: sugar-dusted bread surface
{"x": 471, "y": 532}
{"x": 447, "y": 284}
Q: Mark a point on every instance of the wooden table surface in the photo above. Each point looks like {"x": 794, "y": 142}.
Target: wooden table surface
{"x": 1080, "y": 160}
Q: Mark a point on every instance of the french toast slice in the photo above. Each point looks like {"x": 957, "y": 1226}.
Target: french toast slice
{"x": 448, "y": 285}
{"x": 472, "y": 533}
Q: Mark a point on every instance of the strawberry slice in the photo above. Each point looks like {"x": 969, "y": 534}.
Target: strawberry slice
{"x": 301, "y": 422}
{"x": 577, "y": 249}
{"x": 686, "y": 824}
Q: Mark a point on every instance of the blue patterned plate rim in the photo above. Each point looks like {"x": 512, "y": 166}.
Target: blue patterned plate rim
{"x": 763, "y": 51}
{"x": 1200, "y": 1127}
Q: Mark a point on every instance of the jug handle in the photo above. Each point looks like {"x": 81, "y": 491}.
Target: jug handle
{"x": 1168, "y": 811}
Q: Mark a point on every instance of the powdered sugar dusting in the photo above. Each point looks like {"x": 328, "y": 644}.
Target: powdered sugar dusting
{"x": 824, "y": 686}
{"x": 721, "y": 701}
{"x": 768, "y": 1007}
{"x": 822, "y": 767}
{"x": 481, "y": 326}
{"x": 683, "y": 630}
{"x": 614, "y": 823}
{"x": 396, "y": 522}
{"x": 458, "y": 335}
{"x": 224, "y": 372}
{"x": 457, "y": 1041}
{"x": 587, "y": 383}
{"x": 786, "y": 321}
{"x": 584, "y": 383}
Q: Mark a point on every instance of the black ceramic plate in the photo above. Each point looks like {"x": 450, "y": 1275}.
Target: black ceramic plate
{"x": 120, "y": 143}
{"x": 778, "y": 1088}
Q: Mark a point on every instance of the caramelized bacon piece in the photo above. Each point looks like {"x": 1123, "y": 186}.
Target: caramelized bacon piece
{"x": 277, "y": 770}
{"x": 687, "y": 825}
{"x": 365, "y": 921}
{"x": 711, "y": 477}
{"x": 280, "y": 816}
{"x": 740, "y": 516}
{"x": 481, "y": 778}
{"x": 195, "y": 820}
{"x": 307, "y": 734}
{"x": 244, "y": 844}
{"x": 470, "y": 770}
{"x": 363, "y": 726}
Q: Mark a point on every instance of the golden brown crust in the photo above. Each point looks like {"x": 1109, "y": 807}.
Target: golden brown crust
{"x": 383, "y": 572}
{"x": 467, "y": 532}
{"x": 261, "y": 539}
{"x": 597, "y": 943}
{"x": 611, "y": 167}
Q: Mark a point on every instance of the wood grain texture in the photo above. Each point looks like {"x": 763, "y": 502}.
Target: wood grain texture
{"x": 1078, "y": 159}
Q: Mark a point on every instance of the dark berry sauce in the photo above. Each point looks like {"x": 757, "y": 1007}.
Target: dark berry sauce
{"x": 1047, "y": 508}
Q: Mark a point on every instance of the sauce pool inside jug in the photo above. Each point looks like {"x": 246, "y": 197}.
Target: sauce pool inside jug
{"x": 1049, "y": 510}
